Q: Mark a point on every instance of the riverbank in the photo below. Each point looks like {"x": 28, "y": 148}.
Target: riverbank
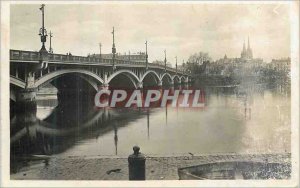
{"x": 116, "y": 168}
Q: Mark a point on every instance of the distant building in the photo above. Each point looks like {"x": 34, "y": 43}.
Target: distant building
{"x": 283, "y": 64}
{"x": 162, "y": 63}
{"x": 181, "y": 67}
{"x": 158, "y": 62}
{"x": 137, "y": 57}
{"x": 242, "y": 65}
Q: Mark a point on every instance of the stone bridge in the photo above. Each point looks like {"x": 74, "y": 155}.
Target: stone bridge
{"x": 94, "y": 70}
{"x": 29, "y": 72}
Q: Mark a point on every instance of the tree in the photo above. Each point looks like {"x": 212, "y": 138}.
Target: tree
{"x": 197, "y": 62}
{"x": 199, "y": 58}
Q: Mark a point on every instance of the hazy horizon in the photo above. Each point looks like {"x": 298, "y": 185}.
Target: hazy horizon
{"x": 180, "y": 28}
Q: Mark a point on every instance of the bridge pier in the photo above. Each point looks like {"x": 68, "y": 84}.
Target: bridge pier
{"x": 17, "y": 72}
{"x": 140, "y": 85}
{"x": 159, "y": 83}
{"x": 185, "y": 85}
{"x": 29, "y": 80}
{"x": 104, "y": 86}
{"x": 26, "y": 100}
{"x": 179, "y": 87}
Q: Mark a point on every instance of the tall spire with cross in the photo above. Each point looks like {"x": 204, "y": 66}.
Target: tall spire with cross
{"x": 248, "y": 43}
{"x": 244, "y": 52}
{"x": 249, "y": 50}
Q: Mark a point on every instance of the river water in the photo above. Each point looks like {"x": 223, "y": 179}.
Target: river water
{"x": 234, "y": 120}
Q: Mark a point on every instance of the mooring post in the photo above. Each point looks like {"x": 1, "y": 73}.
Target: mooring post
{"x": 136, "y": 165}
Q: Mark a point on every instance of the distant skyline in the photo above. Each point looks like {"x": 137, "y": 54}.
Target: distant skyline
{"x": 181, "y": 28}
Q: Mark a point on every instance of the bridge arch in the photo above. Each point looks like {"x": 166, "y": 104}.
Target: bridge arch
{"x": 17, "y": 82}
{"x": 176, "y": 79}
{"x": 150, "y": 78}
{"x": 188, "y": 78}
{"x": 94, "y": 84}
{"x": 183, "y": 79}
{"x": 168, "y": 76}
{"x": 51, "y": 76}
{"x": 150, "y": 72}
{"x": 132, "y": 80}
{"x": 131, "y": 75}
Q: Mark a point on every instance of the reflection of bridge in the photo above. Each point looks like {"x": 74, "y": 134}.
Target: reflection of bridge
{"x": 44, "y": 135}
{"x": 30, "y": 70}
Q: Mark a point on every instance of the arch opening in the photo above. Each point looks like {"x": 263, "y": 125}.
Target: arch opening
{"x": 17, "y": 82}
{"x": 176, "y": 80}
{"x": 54, "y": 75}
{"x": 123, "y": 78}
{"x": 150, "y": 79}
{"x": 166, "y": 79}
{"x": 74, "y": 89}
{"x": 182, "y": 79}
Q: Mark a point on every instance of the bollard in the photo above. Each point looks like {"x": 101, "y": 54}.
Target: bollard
{"x": 136, "y": 165}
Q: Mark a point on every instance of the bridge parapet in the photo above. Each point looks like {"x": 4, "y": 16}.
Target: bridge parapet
{"x": 20, "y": 55}
{"x": 24, "y": 55}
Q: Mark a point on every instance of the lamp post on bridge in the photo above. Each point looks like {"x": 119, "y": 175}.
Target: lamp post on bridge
{"x": 165, "y": 60}
{"x": 50, "y": 49}
{"x": 26, "y": 98}
{"x": 43, "y": 31}
{"x": 176, "y": 64}
{"x": 182, "y": 67}
{"x": 146, "y": 55}
{"x": 43, "y": 53}
{"x": 114, "y": 48}
{"x": 100, "y": 45}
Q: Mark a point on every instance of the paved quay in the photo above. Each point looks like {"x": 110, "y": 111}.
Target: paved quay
{"x": 157, "y": 168}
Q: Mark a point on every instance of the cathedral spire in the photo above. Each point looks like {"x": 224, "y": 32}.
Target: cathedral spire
{"x": 247, "y": 53}
{"x": 248, "y": 43}
{"x": 249, "y": 50}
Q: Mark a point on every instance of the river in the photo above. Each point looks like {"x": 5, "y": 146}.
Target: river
{"x": 234, "y": 120}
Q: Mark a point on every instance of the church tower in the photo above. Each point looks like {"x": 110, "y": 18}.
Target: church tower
{"x": 244, "y": 52}
{"x": 249, "y": 50}
{"x": 247, "y": 53}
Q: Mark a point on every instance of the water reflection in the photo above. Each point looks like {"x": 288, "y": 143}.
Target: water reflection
{"x": 148, "y": 124}
{"x": 234, "y": 119}
{"x": 116, "y": 139}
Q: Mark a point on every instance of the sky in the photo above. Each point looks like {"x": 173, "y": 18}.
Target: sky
{"x": 180, "y": 28}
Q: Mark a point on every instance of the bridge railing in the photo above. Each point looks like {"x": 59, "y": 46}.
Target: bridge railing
{"x": 35, "y": 56}
{"x": 24, "y": 55}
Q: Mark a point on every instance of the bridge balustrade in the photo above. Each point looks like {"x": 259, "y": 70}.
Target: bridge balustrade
{"x": 24, "y": 55}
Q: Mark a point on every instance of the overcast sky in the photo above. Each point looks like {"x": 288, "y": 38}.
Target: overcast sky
{"x": 181, "y": 29}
